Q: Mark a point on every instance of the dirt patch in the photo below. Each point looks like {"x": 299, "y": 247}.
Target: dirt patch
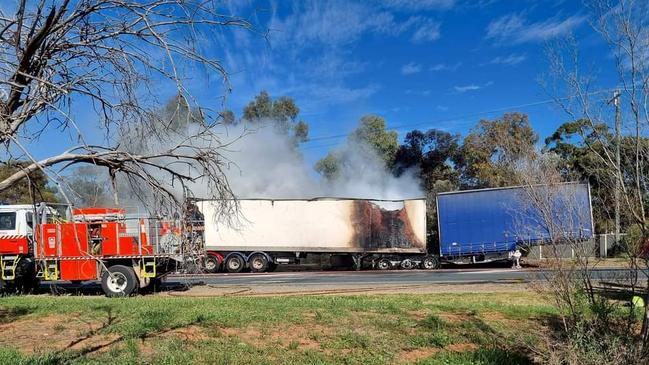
{"x": 415, "y": 355}
{"x": 499, "y": 320}
{"x": 493, "y": 316}
{"x": 53, "y": 332}
{"x": 419, "y": 314}
{"x": 249, "y": 335}
{"x": 462, "y": 347}
{"x": 299, "y": 337}
{"x": 454, "y": 317}
{"x": 191, "y": 333}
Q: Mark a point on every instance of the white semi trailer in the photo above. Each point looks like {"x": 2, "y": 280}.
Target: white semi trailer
{"x": 377, "y": 233}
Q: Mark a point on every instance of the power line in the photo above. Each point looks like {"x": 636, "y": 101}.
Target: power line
{"x": 320, "y": 146}
{"x": 451, "y": 119}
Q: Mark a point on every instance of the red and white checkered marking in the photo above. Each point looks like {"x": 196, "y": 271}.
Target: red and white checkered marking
{"x": 12, "y": 236}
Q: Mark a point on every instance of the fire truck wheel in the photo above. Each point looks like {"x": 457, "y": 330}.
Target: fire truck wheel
{"x": 120, "y": 282}
{"x": 211, "y": 264}
{"x": 258, "y": 263}
{"x": 234, "y": 264}
{"x": 430, "y": 263}
{"x": 384, "y": 264}
{"x": 28, "y": 284}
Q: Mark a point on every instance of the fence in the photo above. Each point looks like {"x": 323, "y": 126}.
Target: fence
{"x": 603, "y": 245}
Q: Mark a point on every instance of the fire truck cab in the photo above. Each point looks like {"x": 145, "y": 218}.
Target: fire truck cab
{"x": 16, "y": 224}
{"x": 45, "y": 243}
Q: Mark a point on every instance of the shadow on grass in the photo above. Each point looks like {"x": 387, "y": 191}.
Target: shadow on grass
{"x": 471, "y": 340}
{"x": 13, "y": 314}
{"x": 94, "y": 288}
{"x": 109, "y": 334}
{"x": 483, "y": 356}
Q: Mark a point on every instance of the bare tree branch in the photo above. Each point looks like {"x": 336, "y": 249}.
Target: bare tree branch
{"x": 113, "y": 55}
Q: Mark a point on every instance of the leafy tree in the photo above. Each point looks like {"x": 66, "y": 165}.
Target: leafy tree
{"x": 431, "y": 154}
{"x": 88, "y": 187}
{"x": 330, "y": 166}
{"x": 579, "y": 145}
{"x": 371, "y": 133}
{"x": 177, "y": 115}
{"x": 34, "y": 189}
{"x": 371, "y": 138}
{"x": 227, "y": 117}
{"x": 490, "y": 152}
{"x": 301, "y": 131}
{"x": 260, "y": 108}
{"x": 282, "y": 112}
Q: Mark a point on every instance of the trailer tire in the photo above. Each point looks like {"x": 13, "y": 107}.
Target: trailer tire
{"x": 258, "y": 262}
{"x": 407, "y": 264}
{"x": 211, "y": 264}
{"x": 384, "y": 264}
{"x": 119, "y": 281}
{"x": 235, "y": 264}
{"x": 430, "y": 263}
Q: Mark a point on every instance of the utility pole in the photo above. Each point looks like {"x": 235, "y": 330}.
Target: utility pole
{"x": 618, "y": 174}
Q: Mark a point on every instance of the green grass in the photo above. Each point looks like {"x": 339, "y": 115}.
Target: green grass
{"x": 286, "y": 330}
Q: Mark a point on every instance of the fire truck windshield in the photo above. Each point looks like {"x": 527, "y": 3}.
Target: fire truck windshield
{"x": 7, "y": 221}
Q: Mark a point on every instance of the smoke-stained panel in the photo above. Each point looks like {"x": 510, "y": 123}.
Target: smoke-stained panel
{"x": 322, "y": 225}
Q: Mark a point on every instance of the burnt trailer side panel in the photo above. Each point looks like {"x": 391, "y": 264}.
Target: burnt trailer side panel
{"x": 325, "y": 225}
{"x": 490, "y": 221}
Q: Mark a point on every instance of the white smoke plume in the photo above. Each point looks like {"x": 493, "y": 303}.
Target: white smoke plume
{"x": 265, "y": 163}
{"x": 268, "y": 165}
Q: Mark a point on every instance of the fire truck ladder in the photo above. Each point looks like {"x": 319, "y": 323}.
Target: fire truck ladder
{"x": 8, "y": 265}
{"x": 50, "y": 270}
{"x": 148, "y": 268}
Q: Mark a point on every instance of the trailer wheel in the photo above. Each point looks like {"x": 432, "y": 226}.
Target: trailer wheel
{"x": 384, "y": 264}
{"x": 211, "y": 264}
{"x": 430, "y": 263}
{"x": 407, "y": 264}
{"x": 234, "y": 264}
{"x": 258, "y": 262}
{"x": 119, "y": 281}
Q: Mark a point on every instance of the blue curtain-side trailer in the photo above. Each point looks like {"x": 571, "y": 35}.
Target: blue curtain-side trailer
{"x": 489, "y": 224}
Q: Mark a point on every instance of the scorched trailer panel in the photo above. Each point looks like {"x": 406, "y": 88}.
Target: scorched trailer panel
{"x": 485, "y": 221}
{"x": 324, "y": 225}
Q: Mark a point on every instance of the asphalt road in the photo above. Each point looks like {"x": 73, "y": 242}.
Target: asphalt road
{"x": 340, "y": 282}
{"x": 400, "y": 277}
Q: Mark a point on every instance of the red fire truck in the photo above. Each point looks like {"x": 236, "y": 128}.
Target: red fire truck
{"x": 49, "y": 243}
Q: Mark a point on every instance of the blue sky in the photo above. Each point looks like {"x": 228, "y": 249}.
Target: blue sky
{"x": 420, "y": 64}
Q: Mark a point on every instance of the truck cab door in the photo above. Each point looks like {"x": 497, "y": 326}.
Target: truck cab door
{"x": 13, "y": 233}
